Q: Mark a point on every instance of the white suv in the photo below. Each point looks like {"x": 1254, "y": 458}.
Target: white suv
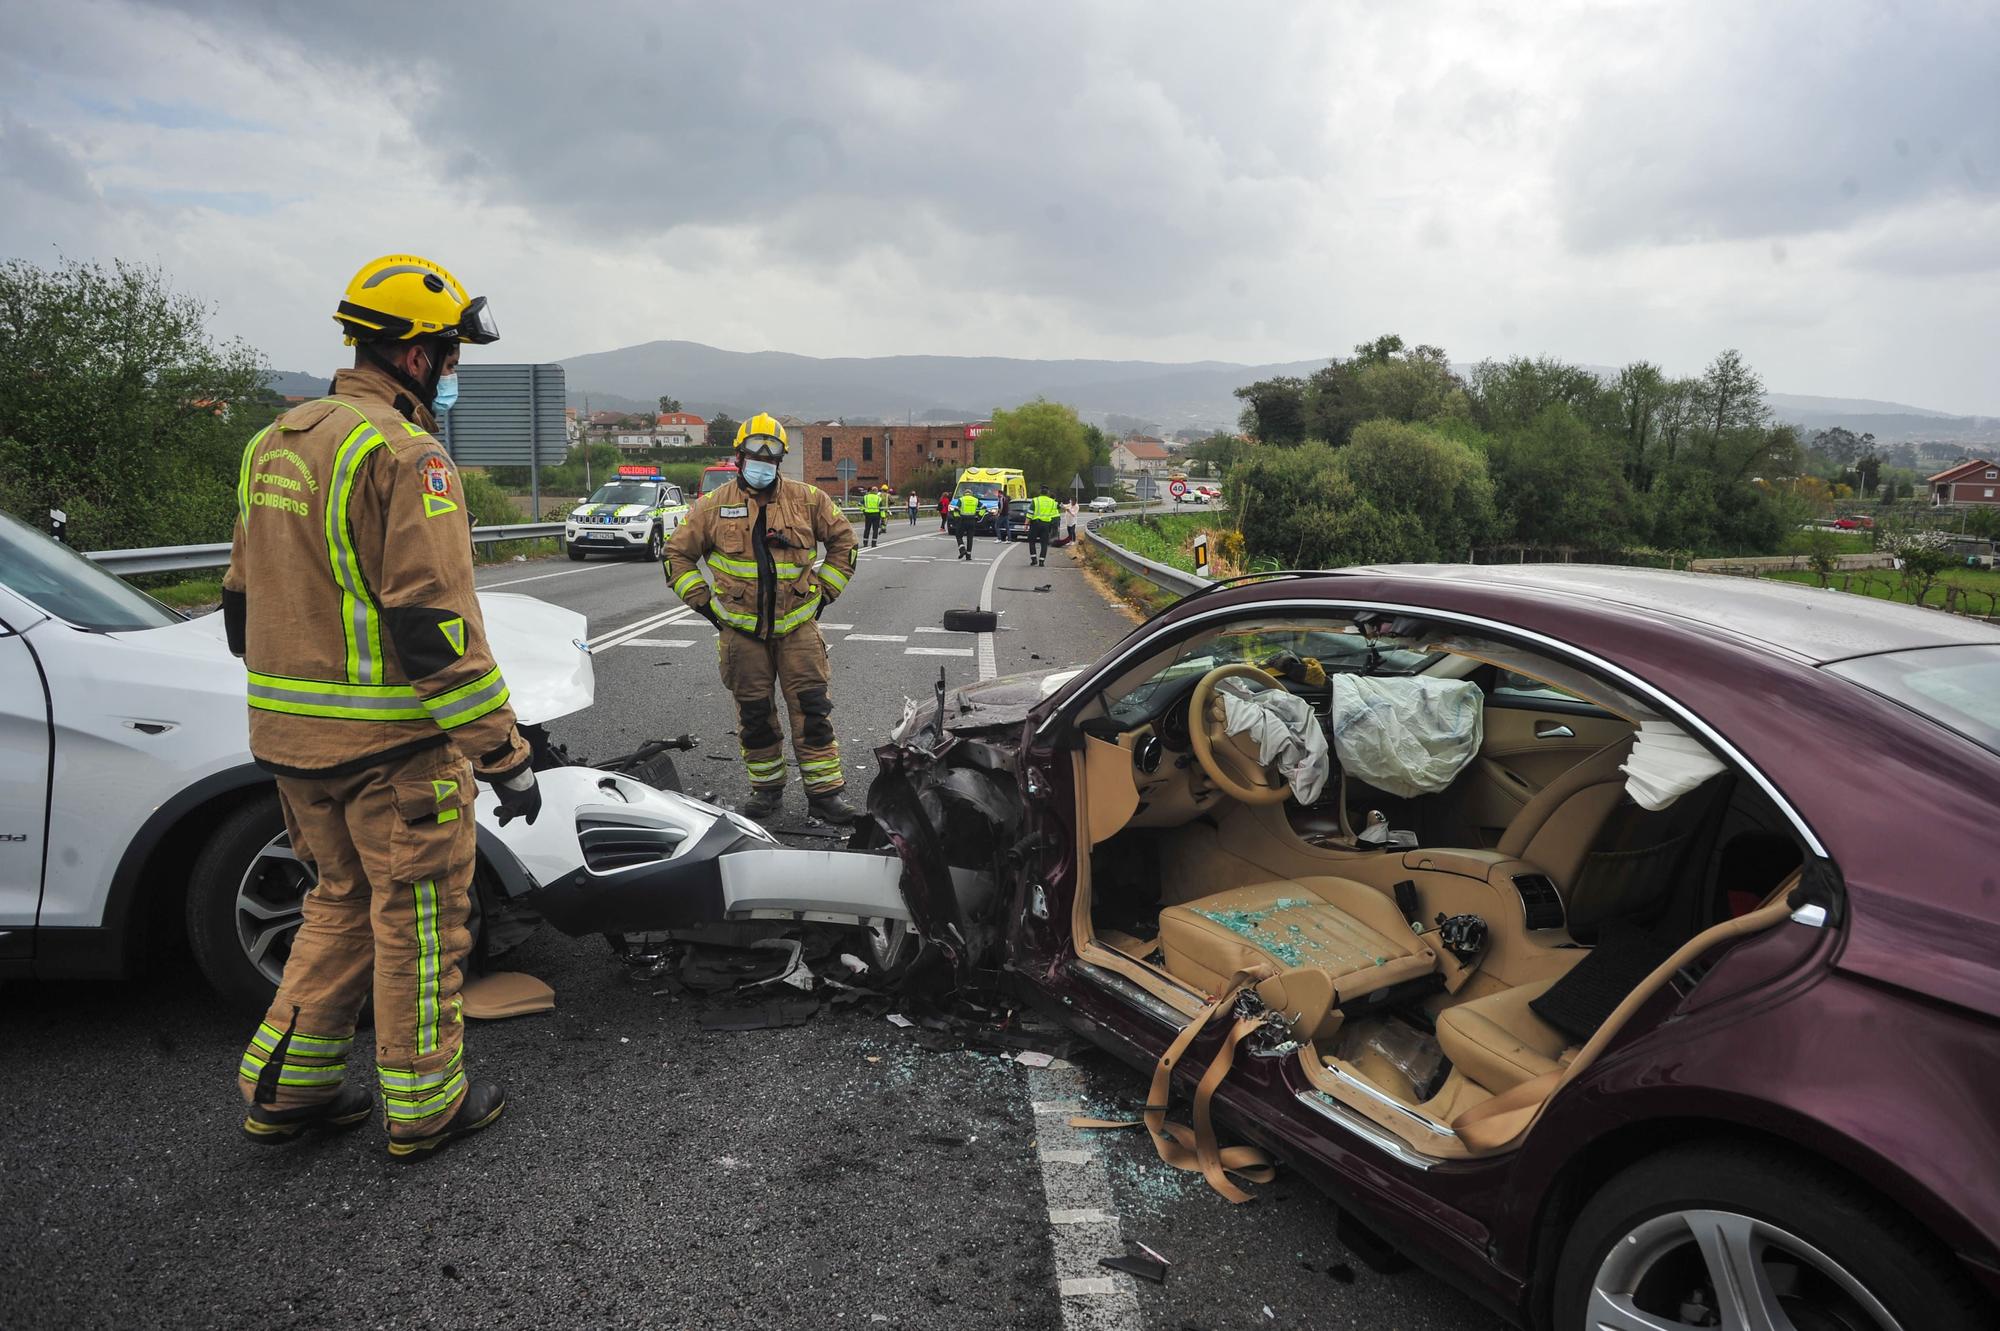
{"x": 129, "y": 804}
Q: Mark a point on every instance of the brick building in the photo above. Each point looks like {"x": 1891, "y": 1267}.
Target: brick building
{"x": 891, "y": 453}
{"x": 1974, "y": 482}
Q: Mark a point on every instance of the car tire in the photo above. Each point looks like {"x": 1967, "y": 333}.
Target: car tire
{"x": 570, "y": 549}
{"x": 226, "y": 907}
{"x": 656, "y": 546}
{"x": 1830, "y": 1253}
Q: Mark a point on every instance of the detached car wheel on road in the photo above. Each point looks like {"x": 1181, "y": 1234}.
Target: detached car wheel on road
{"x": 1538, "y": 915}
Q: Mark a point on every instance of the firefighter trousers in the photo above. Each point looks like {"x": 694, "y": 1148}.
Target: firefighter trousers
{"x": 394, "y": 848}
{"x": 752, "y": 671}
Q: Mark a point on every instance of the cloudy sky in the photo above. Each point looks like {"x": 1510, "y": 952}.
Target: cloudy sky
{"x": 1817, "y": 184}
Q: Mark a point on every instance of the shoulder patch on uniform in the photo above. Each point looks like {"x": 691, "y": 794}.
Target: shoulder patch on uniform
{"x": 454, "y": 633}
{"x": 435, "y": 507}
{"x": 734, "y": 510}
{"x": 412, "y": 428}
{"x": 437, "y": 475}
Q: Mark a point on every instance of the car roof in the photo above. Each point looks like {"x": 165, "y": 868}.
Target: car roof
{"x": 1807, "y": 623}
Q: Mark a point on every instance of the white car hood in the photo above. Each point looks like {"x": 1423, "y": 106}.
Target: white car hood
{"x": 540, "y": 649}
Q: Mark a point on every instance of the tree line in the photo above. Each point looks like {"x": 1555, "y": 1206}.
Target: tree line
{"x": 1390, "y": 454}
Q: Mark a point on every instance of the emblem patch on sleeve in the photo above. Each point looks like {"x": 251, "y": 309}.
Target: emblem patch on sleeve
{"x": 437, "y": 475}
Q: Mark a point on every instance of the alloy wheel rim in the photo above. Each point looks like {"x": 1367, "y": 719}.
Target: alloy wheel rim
{"x": 270, "y": 905}
{"x": 884, "y": 937}
{"x": 1700, "y": 1269}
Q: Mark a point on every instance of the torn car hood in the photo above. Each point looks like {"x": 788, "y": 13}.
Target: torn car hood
{"x": 1006, "y": 700}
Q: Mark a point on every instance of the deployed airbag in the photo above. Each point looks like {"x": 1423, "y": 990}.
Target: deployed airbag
{"x": 1665, "y": 764}
{"x": 1407, "y": 735}
{"x": 1286, "y": 733}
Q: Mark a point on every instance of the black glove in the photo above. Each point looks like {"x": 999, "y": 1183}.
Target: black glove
{"x": 520, "y": 795}
{"x": 821, "y": 608}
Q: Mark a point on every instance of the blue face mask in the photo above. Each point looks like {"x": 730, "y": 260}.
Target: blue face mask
{"x": 758, "y": 474}
{"x": 447, "y": 393}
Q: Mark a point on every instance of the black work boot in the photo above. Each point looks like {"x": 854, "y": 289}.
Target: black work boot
{"x": 764, "y": 802}
{"x": 350, "y": 1106}
{"x": 481, "y": 1107}
{"x": 831, "y": 807}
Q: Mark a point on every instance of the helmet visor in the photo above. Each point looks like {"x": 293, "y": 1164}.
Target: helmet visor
{"x": 763, "y": 446}
{"x": 476, "y": 324}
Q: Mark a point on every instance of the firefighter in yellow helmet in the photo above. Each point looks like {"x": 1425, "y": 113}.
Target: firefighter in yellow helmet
{"x": 376, "y": 703}
{"x": 760, "y": 535}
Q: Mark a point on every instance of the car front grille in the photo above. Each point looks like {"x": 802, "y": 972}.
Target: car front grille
{"x": 609, "y": 846}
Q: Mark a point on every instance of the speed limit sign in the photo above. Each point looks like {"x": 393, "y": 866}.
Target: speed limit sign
{"x": 1177, "y": 488}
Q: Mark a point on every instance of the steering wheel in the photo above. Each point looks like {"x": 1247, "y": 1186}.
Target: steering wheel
{"x": 1231, "y": 761}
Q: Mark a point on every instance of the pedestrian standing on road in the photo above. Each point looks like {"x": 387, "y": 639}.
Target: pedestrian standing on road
{"x": 913, "y": 508}
{"x": 1001, "y": 528}
{"x": 871, "y": 516}
{"x": 1042, "y": 514}
{"x": 760, "y": 534}
{"x": 1069, "y": 520}
{"x": 944, "y": 509}
{"x": 375, "y": 702}
{"x": 967, "y": 516}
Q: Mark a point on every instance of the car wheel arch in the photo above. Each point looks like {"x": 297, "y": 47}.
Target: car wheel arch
{"x": 1590, "y": 1166}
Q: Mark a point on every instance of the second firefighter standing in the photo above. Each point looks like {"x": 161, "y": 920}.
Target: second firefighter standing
{"x": 760, "y": 535}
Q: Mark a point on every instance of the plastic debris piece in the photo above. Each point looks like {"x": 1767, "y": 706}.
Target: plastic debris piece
{"x": 1143, "y": 1267}
{"x": 854, "y": 963}
{"x": 898, "y": 1019}
{"x": 1150, "y": 1253}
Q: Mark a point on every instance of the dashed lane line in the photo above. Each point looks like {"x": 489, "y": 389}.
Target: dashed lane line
{"x": 987, "y": 667}
{"x": 939, "y": 651}
{"x": 876, "y": 637}
{"x": 1082, "y": 1224}
{"x": 657, "y": 642}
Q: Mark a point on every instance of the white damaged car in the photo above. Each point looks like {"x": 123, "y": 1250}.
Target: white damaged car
{"x": 131, "y": 810}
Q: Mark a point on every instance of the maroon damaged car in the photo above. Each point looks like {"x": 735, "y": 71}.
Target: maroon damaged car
{"x": 1624, "y": 945}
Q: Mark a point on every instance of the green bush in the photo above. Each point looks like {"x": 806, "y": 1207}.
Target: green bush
{"x": 487, "y": 502}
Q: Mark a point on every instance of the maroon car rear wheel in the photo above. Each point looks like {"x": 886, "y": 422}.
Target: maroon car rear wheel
{"x": 1736, "y": 1238}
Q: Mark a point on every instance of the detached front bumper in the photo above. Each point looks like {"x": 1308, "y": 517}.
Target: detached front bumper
{"x": 610, "y": 854}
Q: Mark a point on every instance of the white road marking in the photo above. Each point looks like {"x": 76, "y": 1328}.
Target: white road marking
{"x": 1082, "y": 1224}
{"x": 876, "y": 637}
{"x": 941, "y": 651}
{"x": 932, "y": 628}
{"x": 657, "y": 642}
{"x": 560, "y": 573}
{"x": 834, "y": 628}
{"x": 987, "y": 667}
{"x": 651, "y": 622}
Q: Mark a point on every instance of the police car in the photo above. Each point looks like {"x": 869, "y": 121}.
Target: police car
{"x": 633, "y": 514}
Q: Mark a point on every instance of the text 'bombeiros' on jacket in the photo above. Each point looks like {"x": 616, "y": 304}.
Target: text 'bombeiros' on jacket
{"x": 350, "y": 594}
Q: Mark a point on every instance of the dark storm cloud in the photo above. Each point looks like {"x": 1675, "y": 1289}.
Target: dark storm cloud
{"x": 35, "y": 160}
{"x": 1096, "y": 155}
{"x": 1813, "y": 118}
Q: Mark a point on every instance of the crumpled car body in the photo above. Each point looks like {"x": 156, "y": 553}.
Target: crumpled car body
{"x": 1024, "y": 789}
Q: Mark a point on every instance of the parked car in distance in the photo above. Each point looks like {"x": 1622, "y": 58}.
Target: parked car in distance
{"x": 1560, "y": 940}
{"x": 632, "y": 514}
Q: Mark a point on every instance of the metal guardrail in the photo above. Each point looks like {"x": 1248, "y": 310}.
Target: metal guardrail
{"x": 1163, "y": 576}
{"x": 187, "y": 558}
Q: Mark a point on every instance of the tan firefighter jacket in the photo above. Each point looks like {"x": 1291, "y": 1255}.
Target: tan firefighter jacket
{"x": 349, "y": 593}
{"x": 760, "y": 552}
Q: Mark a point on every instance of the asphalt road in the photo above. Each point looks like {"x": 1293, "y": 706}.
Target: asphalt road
{"x": 648, "y": 1173}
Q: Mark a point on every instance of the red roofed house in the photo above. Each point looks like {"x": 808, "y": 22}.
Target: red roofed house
{"x": 679, "y": 429}
{"x": 1974, "y": 482}
{"x": 1140, "y": 454}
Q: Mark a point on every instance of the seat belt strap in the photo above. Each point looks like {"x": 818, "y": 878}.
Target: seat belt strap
{"x": 1196, "y": 1149}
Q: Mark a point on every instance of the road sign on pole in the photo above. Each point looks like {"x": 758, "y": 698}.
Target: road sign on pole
{"x": 1076, "y": 485}
{"x": 845, "y": 470}
{"x": 1177, "y": 488}
{"x": 1145, "y": 488}
{"x": 1201, "y": 554}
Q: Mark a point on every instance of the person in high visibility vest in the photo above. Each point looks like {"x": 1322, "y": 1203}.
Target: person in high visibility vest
{"x": 375, "y": 701}
{"x": 871, "y": 517}
{"x": 1042, "y": 515}
{"x": 965, "y": 512}
{"x": 761, "y": 535}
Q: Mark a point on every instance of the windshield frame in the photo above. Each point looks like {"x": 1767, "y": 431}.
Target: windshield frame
{"x": 64, "y": 565}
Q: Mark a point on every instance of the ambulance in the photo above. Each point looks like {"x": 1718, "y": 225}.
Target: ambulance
{"x": 988, "y": 484}
{"x": 632, "y": 514}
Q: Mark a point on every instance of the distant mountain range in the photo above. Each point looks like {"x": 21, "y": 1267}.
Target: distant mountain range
{"x": 1168, "y": 395}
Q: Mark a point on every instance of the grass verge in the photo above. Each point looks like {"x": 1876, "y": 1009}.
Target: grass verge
{"x": 1135, "y": 594}
{"x": 1966, "y": 591}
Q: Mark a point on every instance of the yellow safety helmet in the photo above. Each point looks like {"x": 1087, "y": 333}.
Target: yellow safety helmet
{"x": 400, "y": 296}
{"x": 762, "y": 436}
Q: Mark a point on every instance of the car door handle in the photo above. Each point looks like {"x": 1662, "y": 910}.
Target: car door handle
{"x": 1553, "y": 730}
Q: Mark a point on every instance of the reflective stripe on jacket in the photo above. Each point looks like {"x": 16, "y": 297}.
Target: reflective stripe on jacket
{"x": 760, "y": 551}
{"x": 349, "y": 593}
{"x": 1044, "y": 509}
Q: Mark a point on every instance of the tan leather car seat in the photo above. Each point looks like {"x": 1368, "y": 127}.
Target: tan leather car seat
{"x": 1498, "y": 1042}
{"x": 1555, "y": 829}
{"x": 1336, "y": 940}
